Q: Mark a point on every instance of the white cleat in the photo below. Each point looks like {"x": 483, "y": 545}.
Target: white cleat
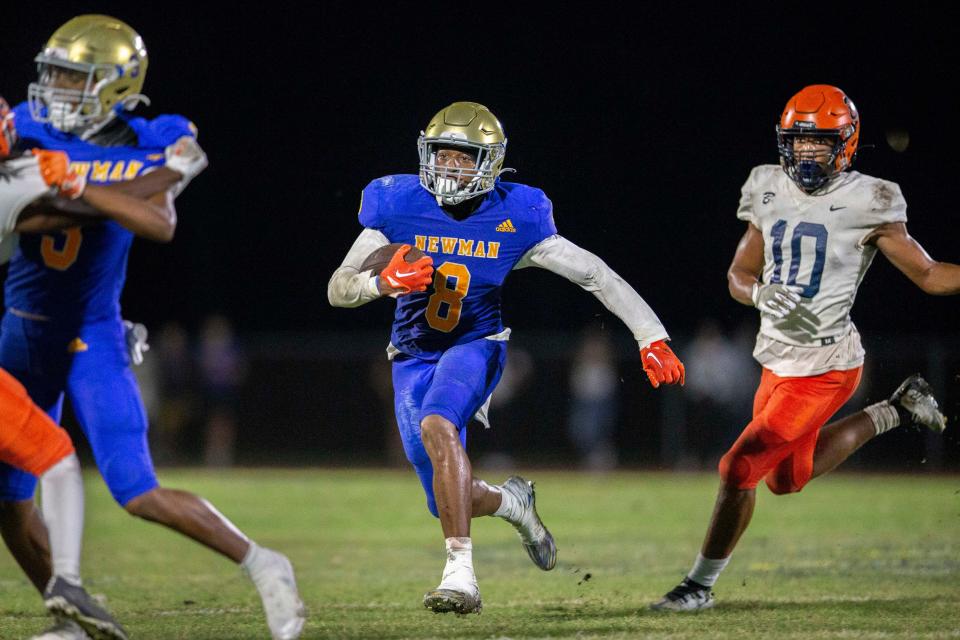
{"x": 277, "y": 586}
{"x": 536, "y": 539}
{"x": 915, "y": 396}
{"x": 63, "y": 629}
{"x": 686, "y": 596}
{"x": 458, "y": 591}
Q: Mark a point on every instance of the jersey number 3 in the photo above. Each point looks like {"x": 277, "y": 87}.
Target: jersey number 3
{"x": 803, "y": 230}
{"x": 63, "y": 257}
{"x": 451, "y": 284}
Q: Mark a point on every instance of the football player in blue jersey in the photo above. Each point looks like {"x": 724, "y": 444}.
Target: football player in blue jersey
{"x": 448, "y": 343}
{"x": 62, "y": 332}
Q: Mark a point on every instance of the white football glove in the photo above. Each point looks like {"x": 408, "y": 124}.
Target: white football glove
{"x": 136, "y": 337}
{"x": 186, "y": 158}
{"x": 779, "y": 300}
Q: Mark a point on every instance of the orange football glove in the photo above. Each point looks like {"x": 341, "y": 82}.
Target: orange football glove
{"x": 661, "y": 364}
{"x": 55, "y": 169}
{"x": 8, "y": 133}
{"x": 407, "y": 277}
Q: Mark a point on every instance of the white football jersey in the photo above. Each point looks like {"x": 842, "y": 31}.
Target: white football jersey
{"x": 816, "y": 242}
{"x": 20, "y": 184}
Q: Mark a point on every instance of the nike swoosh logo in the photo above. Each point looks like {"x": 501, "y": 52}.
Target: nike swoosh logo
{"x": 655, "y": 359}
{"x": 405, "y": 275}
{"x": 833, "y": 208}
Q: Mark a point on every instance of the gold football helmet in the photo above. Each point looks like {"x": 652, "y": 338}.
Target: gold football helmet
{"x": 468, "y": 127}
{"x": 91, "y": 66}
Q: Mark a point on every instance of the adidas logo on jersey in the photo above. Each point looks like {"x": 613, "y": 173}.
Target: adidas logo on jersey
{"x": 506, "y": 226}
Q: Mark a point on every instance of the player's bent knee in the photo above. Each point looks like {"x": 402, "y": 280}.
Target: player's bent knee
{"x": 782, "y": 485}
{"x": 736, "y": 471}
{"x": 144, "y": 505}
{"x": 438, "y": 432}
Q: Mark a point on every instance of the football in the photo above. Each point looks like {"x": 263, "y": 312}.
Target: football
{"x": 379, "y": 259}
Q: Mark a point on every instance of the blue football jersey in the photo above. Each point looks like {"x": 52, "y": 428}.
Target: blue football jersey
{"x": 471, "y": 257}
{"x": 78, "y": 274}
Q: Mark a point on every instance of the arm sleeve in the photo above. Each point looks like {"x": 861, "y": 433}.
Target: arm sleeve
{"x": 564, "y": 258}
{"x": 350, "y": 287}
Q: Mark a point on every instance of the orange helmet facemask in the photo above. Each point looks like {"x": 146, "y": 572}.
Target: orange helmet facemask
{"x": 818, "y": 111}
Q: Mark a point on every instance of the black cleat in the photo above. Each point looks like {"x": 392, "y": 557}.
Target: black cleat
{"x": 63, "y": 598}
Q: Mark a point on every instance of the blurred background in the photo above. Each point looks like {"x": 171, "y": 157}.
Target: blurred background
{"x": 641, "y": 123}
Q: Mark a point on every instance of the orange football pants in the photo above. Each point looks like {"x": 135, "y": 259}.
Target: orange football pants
{"x": 779, "y": 442}
{"x": 29, "y": 439}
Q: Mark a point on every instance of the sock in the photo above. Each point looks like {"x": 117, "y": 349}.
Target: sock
{"x": 459, "y": 546}
{"x": 255, "y": 559}
{"x": 706, "y": 571}
{"x": 62, "y": 508}
{"x": 884, "y": 416}
{"x": 510, "y": 507}
{"x": 459, "y": 557}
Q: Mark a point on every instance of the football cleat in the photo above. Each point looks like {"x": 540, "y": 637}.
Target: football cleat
{"x": 62, "y": 629}
{"x": 536, "y": 539}
{"x": 915, "y": 397}
{"x": 458, "y": 591}
{"x": 686, "y": 596}
{"x": 277, "y": 586}
{"x": 67, "y": 600}
{"x": 453, "y": 601}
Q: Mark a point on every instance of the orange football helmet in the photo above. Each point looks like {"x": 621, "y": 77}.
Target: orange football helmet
{"x": 818, "y": 111}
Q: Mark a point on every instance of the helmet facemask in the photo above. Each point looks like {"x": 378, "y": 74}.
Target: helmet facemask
{"x": 453, "y": 185}
{"x": 809, "y": 168}
{"x": 80, "y": 111}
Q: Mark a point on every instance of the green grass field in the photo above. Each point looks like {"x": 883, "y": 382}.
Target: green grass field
{"x": 853, "y": 556}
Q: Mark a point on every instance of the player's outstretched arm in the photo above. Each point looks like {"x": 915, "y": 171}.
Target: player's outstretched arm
{"x": 559, "y": 255}
{"x": 350, "y": 287}
{"x": 906, "y": 254}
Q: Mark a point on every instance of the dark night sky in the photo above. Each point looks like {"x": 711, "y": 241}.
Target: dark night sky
{"x": 640, "y": 127}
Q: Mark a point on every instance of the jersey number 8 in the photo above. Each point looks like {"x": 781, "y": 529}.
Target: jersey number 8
{"x": 451, "y": 284}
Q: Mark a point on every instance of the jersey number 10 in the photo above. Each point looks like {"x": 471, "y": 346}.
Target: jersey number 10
{"x": 803, "y": 229}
